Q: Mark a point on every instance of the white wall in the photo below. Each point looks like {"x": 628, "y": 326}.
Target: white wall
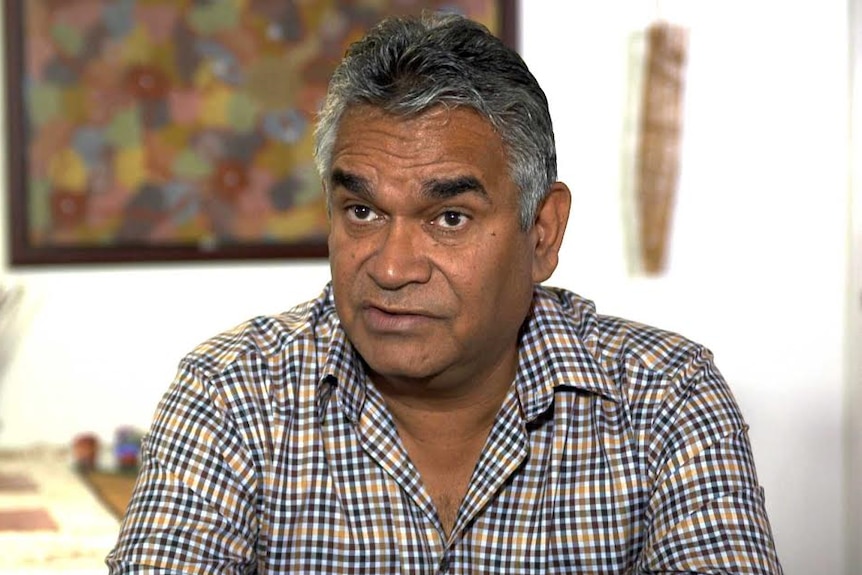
{"x": 854, "y": 327}
{"x": 758, "y": 265}
{"x": 758, "y": 270}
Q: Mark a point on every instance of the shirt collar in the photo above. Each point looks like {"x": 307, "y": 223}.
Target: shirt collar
{"x": 343, "y": 371}
{"x": 558, "y": 350}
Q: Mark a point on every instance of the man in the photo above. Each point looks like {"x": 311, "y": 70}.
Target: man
{"x": 436, "y": 409}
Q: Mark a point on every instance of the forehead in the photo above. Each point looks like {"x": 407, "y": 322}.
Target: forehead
{"x": 458, "y": 136}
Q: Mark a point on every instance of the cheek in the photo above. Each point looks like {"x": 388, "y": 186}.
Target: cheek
{"x": 343, "y": 274}
{"x": 342, "y": 271}
{"x": 346, "y": 257}
{"x": 343, "y": 252}
{"x": 512, "y": 276}
{"x": 494, "y": 280}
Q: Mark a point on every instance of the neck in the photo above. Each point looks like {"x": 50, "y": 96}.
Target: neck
{"x": 456, "y": 409}
{"x": 444, "y": 421}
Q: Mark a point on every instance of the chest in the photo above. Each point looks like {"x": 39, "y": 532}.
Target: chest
{"x": 559, "y": 496}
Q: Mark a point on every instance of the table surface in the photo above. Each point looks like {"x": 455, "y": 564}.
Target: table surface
{"x": 114, "y": 488}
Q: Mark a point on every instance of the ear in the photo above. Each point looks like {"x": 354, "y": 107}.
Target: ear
{"x": 548, "y": 230}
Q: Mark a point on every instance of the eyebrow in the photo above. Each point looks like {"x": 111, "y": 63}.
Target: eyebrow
{"x": 439, "y": 189}
{"x": 352, "y": 183}
{"x": 442, "y": 189}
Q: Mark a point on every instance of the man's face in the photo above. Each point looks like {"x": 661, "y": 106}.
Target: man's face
{"x": 432, "y": 274}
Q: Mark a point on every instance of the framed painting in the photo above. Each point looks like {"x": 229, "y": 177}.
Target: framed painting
{"x": 160, "y": 130}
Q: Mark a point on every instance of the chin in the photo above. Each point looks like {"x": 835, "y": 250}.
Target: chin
{"x": 399, "y": 370}
{"x": 398, "y": 366}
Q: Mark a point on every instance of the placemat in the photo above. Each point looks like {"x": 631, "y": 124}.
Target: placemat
{"x": 50, "y": 521}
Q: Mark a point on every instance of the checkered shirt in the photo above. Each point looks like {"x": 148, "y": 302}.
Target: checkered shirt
{"x": 619, "y": 450}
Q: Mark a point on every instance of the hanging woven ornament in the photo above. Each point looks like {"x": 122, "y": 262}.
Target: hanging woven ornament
{"x": 658, "y": 147}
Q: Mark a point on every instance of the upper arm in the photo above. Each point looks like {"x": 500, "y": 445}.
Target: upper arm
{"x": 193, "y": 507}
{"x": 706, "y": 510}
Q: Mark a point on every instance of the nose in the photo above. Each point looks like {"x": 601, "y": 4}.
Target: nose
{"x": 400, "y": 258}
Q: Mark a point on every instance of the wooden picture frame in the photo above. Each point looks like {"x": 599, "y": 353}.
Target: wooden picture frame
{"x": 173, "y": 130}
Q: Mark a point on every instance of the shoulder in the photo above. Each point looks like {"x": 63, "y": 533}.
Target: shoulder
{"x": 266, "y": 342}
{"x": 624, "y": 341}
{"x": 613, "y": 341}
{"x": 659, "y": 379}
{"x": 640, "y": 364}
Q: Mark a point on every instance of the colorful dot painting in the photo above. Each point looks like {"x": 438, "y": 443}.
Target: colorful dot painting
{"x": 183, "y": 122}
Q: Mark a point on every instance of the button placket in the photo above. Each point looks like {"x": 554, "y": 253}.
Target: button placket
{"x": 445, "y": 563}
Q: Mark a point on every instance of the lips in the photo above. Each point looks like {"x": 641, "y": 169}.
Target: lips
{"x": 395, "y": 320}
{"x": 390, "y": 310}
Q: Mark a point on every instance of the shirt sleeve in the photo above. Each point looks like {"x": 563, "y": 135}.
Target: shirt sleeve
{"x": 706, "y": 513}
{"x": 193, "y": 507}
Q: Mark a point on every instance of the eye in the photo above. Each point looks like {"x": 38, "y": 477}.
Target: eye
{"x": 451, "y": 220}
{"x": 360, "y": 213}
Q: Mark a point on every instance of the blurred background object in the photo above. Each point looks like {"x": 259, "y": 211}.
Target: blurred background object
{"x": 85, "y": 451}
{"x": 10, "y": 303}
{"x": 659, "y": 133}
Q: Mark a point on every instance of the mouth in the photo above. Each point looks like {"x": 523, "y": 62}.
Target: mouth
{"x": 385, "y": 319}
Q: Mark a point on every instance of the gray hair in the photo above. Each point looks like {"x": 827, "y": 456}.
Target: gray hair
{"x": 406, "y": 66}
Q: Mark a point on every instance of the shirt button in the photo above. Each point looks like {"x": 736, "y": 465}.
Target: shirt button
{"x": 445, "y": 564}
